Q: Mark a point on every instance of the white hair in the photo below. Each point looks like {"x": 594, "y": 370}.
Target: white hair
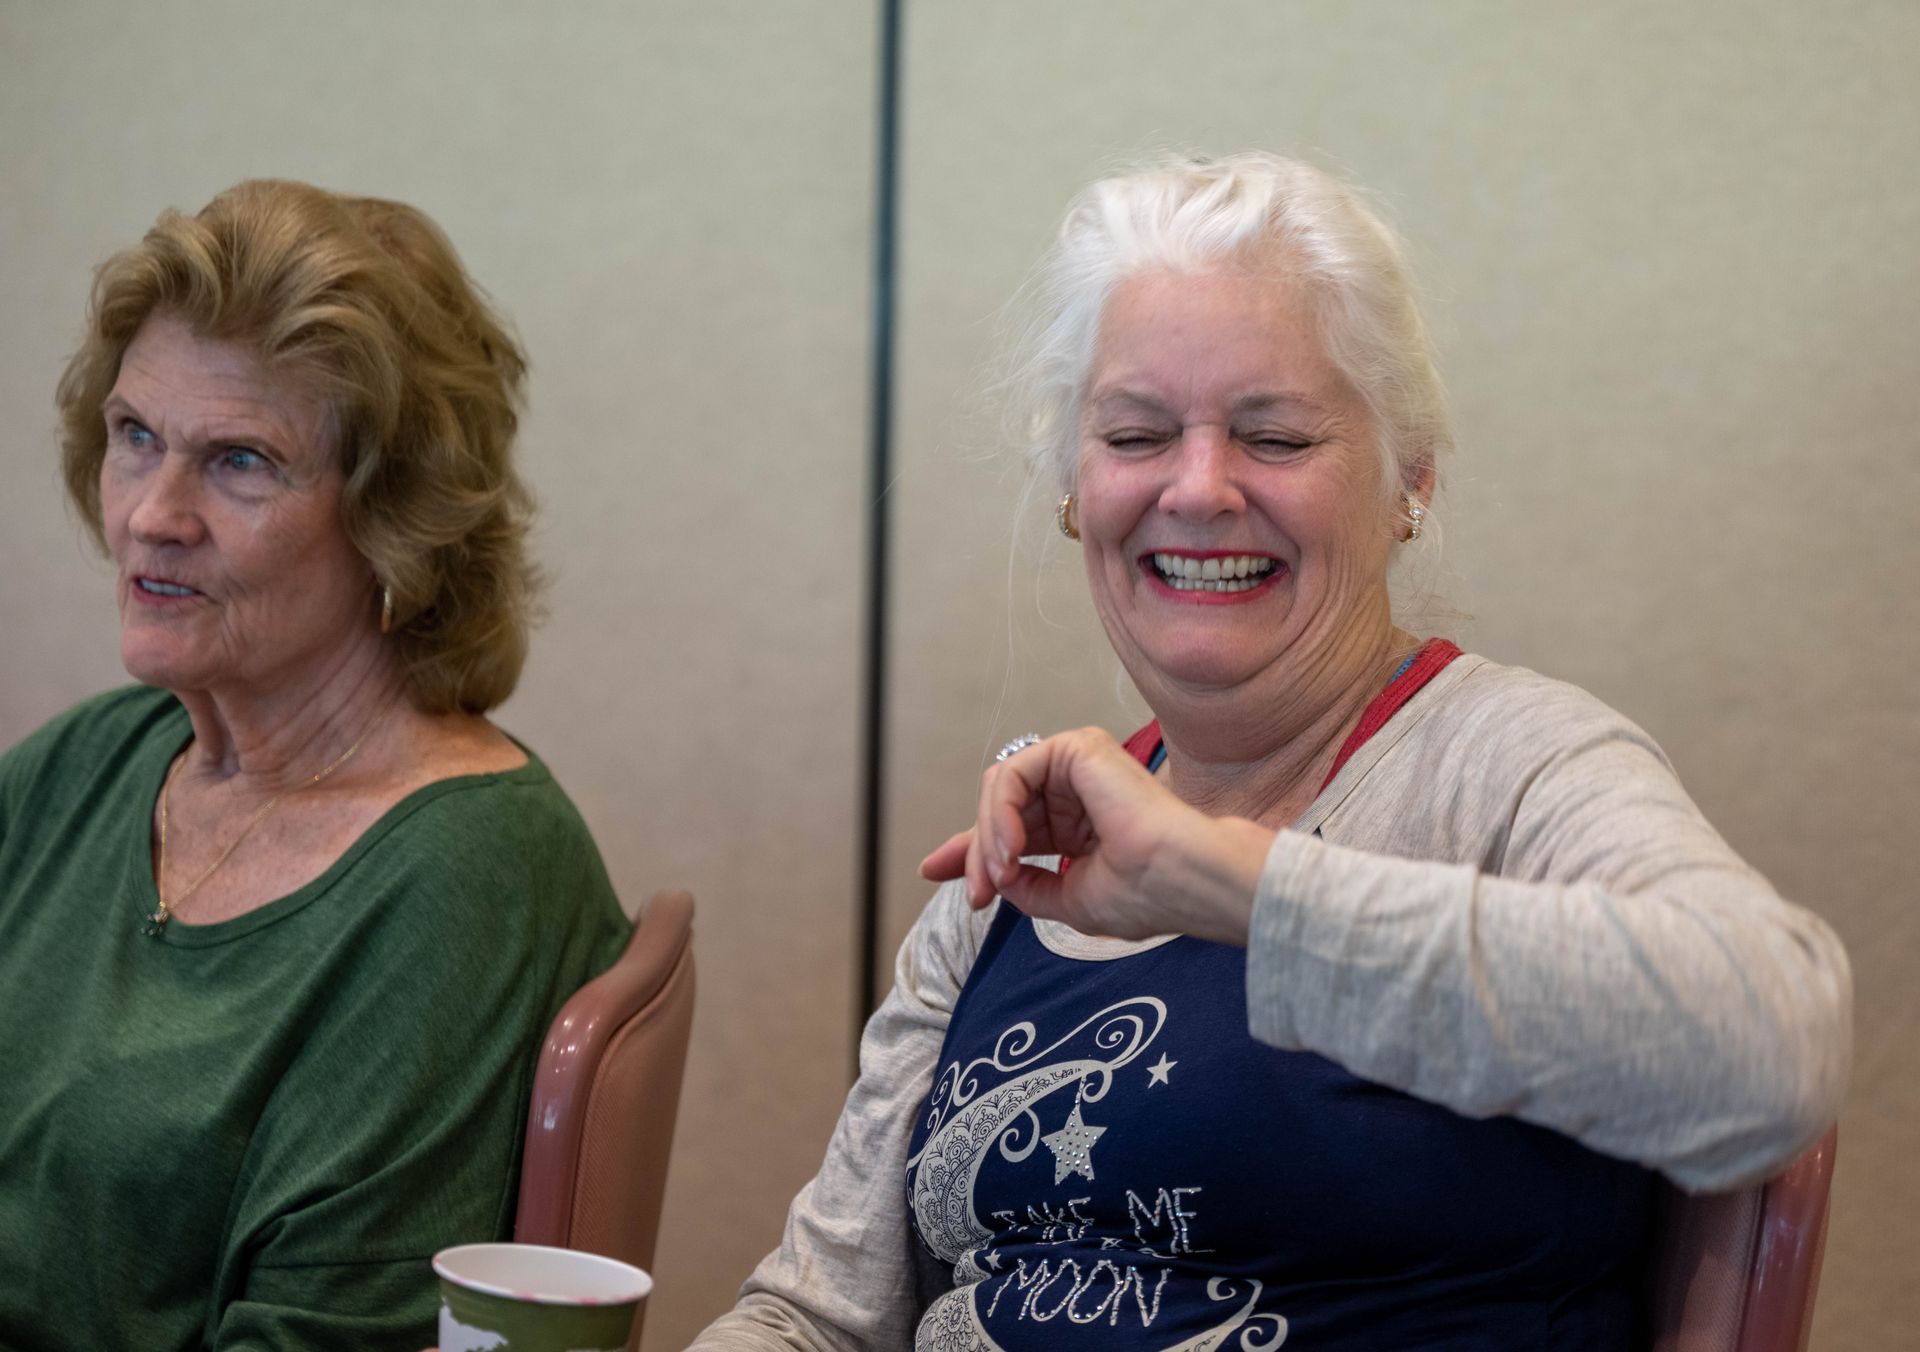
{"x": 1189, "y": 213}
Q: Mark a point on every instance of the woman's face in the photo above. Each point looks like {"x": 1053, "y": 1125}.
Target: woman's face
{"x": 1229, "y": 502}
{"x": 220, "y": 492}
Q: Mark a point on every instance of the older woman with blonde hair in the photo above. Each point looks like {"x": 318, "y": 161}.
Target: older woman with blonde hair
{"x": 1376, "y": 983}
{"x": 283, "y": 924}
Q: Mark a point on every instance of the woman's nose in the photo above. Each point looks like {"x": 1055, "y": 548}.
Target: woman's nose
{"x": 166, "y": 508}
{"x": 1203, "y": 483}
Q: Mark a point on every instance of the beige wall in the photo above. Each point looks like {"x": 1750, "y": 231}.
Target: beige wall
{"x": 1674, "y": 249}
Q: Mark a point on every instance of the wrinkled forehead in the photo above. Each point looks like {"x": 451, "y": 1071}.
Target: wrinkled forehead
{"x": 1211, "y": 335}
{"x": 204, "y": 386}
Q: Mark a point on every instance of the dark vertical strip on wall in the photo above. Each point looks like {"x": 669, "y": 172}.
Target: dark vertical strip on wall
{"x": 880, "y": 477}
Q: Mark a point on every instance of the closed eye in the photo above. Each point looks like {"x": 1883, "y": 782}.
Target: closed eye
{"x": 1276, "y": 445}
{"x": 1135, "y": 439}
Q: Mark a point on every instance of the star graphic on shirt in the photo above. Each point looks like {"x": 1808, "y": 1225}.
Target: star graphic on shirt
{"x": 1072, "y": 1147}
{"x": 1157, "y": 1073}
{"x": 993, "y": 1260}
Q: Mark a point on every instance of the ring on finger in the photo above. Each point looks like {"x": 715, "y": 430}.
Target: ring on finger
{"x": 1018, "y": 744}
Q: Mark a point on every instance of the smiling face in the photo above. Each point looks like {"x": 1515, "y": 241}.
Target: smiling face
{"x": 1230, "y": 504}
{"x": 220, "y": 494}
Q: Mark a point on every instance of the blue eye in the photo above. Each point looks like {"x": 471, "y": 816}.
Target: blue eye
{"x": 136, "y": 435}
{"x": 242, "y": 458}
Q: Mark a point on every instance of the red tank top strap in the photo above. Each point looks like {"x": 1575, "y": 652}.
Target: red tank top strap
{"x": 1426, "y": 664}
{"x": 1144, "y": 743}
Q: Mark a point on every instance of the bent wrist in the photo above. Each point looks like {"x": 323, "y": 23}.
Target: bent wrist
{"x": 1214, "y": 872}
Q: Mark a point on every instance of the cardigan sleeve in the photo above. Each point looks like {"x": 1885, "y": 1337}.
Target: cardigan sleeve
{"x": 843, "y": 1277}
{"x": 1589, "y": 955}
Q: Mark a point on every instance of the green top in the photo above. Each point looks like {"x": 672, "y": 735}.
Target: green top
{"x": 255, "y": 1133}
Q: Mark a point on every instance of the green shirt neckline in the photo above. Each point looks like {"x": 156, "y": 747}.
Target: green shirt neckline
{"x": 260, "y": 1141}
{"x": 185, "y": 934}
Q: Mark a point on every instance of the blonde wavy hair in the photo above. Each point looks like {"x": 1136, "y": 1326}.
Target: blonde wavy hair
{"x": 366, "y": 300}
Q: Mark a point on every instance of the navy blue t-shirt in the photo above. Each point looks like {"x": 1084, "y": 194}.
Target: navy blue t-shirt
{"x": 1108, "y": 1159}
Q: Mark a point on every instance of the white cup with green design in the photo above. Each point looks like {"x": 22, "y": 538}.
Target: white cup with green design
{"x": 530, "y": 1298}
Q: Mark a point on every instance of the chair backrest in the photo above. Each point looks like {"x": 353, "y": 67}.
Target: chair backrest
{"x": 1738, "y": 1272}
{"x": 600, "y": 1128}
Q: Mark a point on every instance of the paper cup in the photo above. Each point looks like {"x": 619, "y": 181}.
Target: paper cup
{"x": 529, "y": 1298}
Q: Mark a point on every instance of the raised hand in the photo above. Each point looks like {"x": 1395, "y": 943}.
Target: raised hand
{"x": 1145, "y": 863}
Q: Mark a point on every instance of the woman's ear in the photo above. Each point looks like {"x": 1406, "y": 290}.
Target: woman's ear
{"x": 1422, "y": 481}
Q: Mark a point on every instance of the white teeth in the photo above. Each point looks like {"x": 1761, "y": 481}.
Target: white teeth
{"x": 1223, "y": 584}
{"x": 1231, "y": 572}
{"x": 164, "y": 588}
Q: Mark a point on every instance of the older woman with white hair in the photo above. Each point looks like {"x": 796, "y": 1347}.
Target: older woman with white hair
{"x": 1377, "y": 982}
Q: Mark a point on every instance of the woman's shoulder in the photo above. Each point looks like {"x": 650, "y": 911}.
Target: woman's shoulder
{"x": 509, "y": 844}
{"x": 1475, "y": 742}
{"x": 513, "y": 807}
{"x": 99, "y": 731}
{"x": 1487, "y": 751}
{"x": 1487, "y": 705}
{"x": 107, "y": 718}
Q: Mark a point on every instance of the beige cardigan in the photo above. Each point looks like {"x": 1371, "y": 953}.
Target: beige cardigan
{"x": 1512, "y": 908}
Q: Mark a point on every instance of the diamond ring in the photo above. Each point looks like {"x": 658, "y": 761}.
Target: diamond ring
{"x": 1018, "y": 744}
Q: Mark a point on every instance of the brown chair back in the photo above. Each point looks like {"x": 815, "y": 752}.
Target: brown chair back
{"x": 600, "y": 1127}
{"x": 1738, "y": 1272}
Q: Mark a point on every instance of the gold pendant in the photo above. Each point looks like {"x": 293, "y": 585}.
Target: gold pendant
{"x": 157, "y": 922}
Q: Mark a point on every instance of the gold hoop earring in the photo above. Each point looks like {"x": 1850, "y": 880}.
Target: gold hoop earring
{"x": 1063, "y": 517}
{"x": 386, "y": 610}
{"x": 1416, "y": 513}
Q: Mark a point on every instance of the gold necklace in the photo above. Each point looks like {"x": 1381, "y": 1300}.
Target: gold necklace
{"x": 156, "y": 923}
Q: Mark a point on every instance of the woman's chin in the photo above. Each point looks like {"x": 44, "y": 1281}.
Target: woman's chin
{"x": 1205, "y": 654}
{"x": 160, "y": 665}
{"x": 1206, "y": 670}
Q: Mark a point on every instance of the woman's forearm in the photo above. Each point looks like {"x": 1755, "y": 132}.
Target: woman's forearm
{"x": 1689, "y": 1019}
